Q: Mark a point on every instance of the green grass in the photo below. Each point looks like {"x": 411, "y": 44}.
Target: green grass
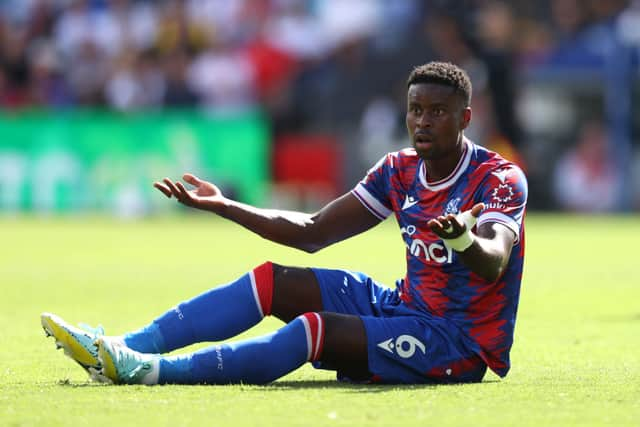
{"x": 575, "y": 360}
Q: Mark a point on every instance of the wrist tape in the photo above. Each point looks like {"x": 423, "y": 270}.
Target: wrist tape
{"x": 464, "y": 240}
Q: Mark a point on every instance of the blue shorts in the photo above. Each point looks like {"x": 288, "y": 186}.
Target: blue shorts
{"x": 404, "y": 345}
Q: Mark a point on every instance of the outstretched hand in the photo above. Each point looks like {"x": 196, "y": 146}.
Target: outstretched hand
{"x": 205, "y": 195}
{"x": 449, "y": 226}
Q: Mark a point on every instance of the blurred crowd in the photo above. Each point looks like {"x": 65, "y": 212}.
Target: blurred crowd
{"x": 281, "y": 54}
{"x": 337, "y": 65}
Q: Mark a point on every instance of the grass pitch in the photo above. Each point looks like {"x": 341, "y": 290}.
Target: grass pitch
{"x": 575, "y": 360}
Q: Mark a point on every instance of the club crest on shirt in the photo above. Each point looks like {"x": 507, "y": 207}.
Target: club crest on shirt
{"x": 453, "y": 206}
{"x": 502, "y": 193}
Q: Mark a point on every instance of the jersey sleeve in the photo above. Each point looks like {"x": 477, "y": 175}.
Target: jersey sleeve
{"x": 504, "y": 194}
{"x": 373, "y": 190}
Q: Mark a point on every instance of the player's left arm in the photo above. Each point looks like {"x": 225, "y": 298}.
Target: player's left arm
{"x": 487, "y": 250}
{"x": 490, "y": 252}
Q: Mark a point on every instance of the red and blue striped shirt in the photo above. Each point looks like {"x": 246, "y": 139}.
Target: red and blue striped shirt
{"x": 437, "y": 282}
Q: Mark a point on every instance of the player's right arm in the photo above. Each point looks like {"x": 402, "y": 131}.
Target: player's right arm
{"x": 342, "y": 218}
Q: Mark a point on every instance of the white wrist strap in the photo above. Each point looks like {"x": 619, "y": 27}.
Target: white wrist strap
{"x": 463, "y": 241}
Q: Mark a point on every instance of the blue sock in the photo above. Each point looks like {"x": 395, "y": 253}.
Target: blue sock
{"x": 218, "y": 314}
{"x": 254, "y": 361}
{"x": 147, "y": 339}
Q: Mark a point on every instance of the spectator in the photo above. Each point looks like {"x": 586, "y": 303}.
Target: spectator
{"x": 89, "y": 74}
{"x": 136, "y": 83}
{"x": 585, "y": 178}
{"x": 15, "y": 68}
{"x": 223, "y": 79}
{"x": 47, "y": 85}
{"x": 177, "y": 92}
{"x": 495, "y": 45}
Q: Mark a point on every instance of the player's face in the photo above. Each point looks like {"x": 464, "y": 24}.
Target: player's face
{"x": 436, "y": 117}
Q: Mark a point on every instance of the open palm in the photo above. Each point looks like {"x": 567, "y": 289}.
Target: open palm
{"x": 449, "y": 226}
{"x": 205, "y": 195}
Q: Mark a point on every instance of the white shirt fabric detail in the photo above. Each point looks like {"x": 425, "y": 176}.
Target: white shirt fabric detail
{"x": 503, "y": 219}
{"x": 370, "y": 202}
{"x": 460, "y": 168}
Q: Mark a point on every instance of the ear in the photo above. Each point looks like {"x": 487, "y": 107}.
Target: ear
{"x": 466, "y": 118}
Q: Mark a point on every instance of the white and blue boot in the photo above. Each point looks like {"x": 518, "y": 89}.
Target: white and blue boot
{"x": 77, "y": 342}
{"x": 121, "y": 365}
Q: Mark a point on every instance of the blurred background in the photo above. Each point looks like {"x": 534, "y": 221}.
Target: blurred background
{"x": 288, "y": 102}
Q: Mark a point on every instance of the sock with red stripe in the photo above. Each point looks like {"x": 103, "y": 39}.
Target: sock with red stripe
{"x": 218, "y": 314}
{"x": 254, "y": 361}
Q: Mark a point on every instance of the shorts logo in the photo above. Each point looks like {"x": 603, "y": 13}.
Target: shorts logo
{"x": 219, "y": 358}
{"x": 404, "y": 346}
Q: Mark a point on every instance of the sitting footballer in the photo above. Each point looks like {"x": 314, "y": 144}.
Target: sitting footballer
{"x": 460, "y": 210}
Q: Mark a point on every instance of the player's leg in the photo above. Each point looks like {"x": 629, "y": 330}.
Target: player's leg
{"x": 295, "y": 291}
{"x": 346, "y": 295}
{"x": 215, "y": 315}
{"x": 345, "y": 346}
{"x": 226, "y": 311}
{"x": 335, "y": 339}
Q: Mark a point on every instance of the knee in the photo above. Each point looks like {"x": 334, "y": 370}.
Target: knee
{"x": 339, "y": 341}
{"x": 345, "y": 339}
{"x": 293, "y": 277}
{"x": 285, "y": 275}
{"x": 295, "y": 291}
